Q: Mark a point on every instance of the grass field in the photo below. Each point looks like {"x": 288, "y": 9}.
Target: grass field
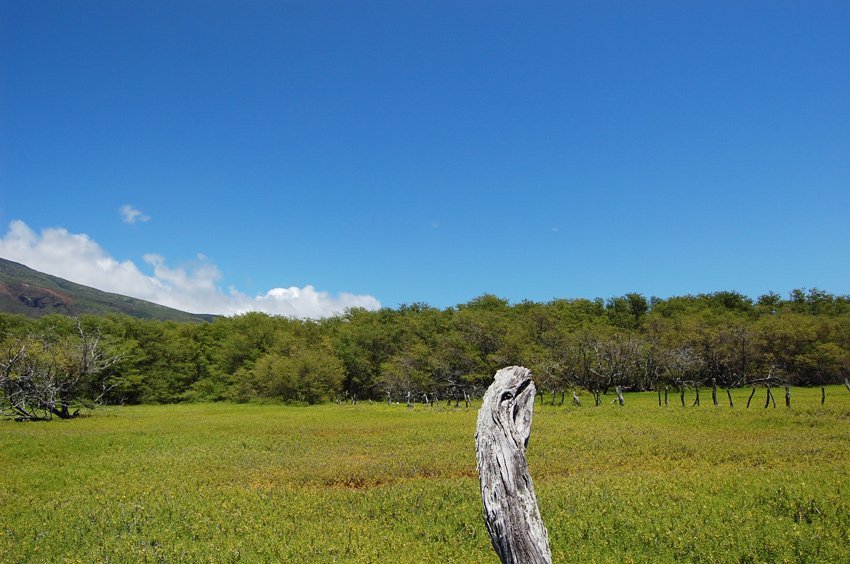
{"x": 223, "y": 482}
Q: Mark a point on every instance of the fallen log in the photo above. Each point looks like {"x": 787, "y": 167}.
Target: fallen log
{"x": 501, "y": 438}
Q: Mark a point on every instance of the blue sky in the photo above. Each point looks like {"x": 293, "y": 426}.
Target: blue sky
{"x": 401, "y": 152}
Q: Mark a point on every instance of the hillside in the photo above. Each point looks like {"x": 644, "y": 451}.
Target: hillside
{"x": 34, "y": 294}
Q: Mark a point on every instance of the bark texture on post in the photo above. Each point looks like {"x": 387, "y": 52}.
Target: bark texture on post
{"x": 510, "y": 506}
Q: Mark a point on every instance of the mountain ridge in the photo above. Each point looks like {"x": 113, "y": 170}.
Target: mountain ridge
{"x": 31, "y": 293}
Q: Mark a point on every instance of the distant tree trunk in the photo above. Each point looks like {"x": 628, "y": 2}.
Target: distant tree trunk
{"x": 751, "y": 397}
{"x": 576, "y": 400}
{"x": 847, "y": 384}
{"x": 787, "y": 396}
{"x": 714, "y": 391}
{"x": 665, "y": 396}
{"x": 682, "y": 394}
{"x": 659, "y": 397}
{"x": 769, "y": 398}
{"x": 696, "y": 400}
{"x": 822, "y": 395}
{"x": 729, "y": 394}
{"x": 511, "y": 514}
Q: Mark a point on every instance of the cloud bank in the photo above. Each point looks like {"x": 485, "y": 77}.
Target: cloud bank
{"x": 192, "y": 288}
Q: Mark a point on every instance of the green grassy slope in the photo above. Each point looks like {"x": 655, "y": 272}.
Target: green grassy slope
{"x": 34, "y": 294}
{"x": 378, "y": 483}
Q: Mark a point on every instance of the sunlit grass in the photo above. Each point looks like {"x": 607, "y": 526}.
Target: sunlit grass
{"x": 222, "y": 482}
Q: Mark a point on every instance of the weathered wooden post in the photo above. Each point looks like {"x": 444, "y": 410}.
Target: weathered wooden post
{"x": 619, "y": 399}
{"x": 501, "y": 438}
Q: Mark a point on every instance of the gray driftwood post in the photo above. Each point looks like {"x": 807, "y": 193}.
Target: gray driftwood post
{"x": 510, "y": 506}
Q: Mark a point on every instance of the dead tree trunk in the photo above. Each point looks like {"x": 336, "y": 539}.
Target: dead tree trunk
{"x": 501, "y": 438}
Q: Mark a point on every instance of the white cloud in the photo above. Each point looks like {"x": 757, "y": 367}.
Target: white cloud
{"x": 131, "y": 215}
{"x": 192, "y": 287}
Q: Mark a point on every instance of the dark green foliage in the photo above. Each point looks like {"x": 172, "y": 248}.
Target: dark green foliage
{"x": 417, "y": 351}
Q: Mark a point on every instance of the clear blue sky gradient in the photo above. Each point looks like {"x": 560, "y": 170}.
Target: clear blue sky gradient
{"x": 435, "y": 151}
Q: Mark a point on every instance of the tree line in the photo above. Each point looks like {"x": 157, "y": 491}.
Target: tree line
{"x": 429, "y": 354}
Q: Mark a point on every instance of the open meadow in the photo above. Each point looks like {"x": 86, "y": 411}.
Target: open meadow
{"x": 372, "y": 482}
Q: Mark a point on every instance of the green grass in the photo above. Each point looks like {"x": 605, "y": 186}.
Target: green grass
{"x": 222, "y": 482}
